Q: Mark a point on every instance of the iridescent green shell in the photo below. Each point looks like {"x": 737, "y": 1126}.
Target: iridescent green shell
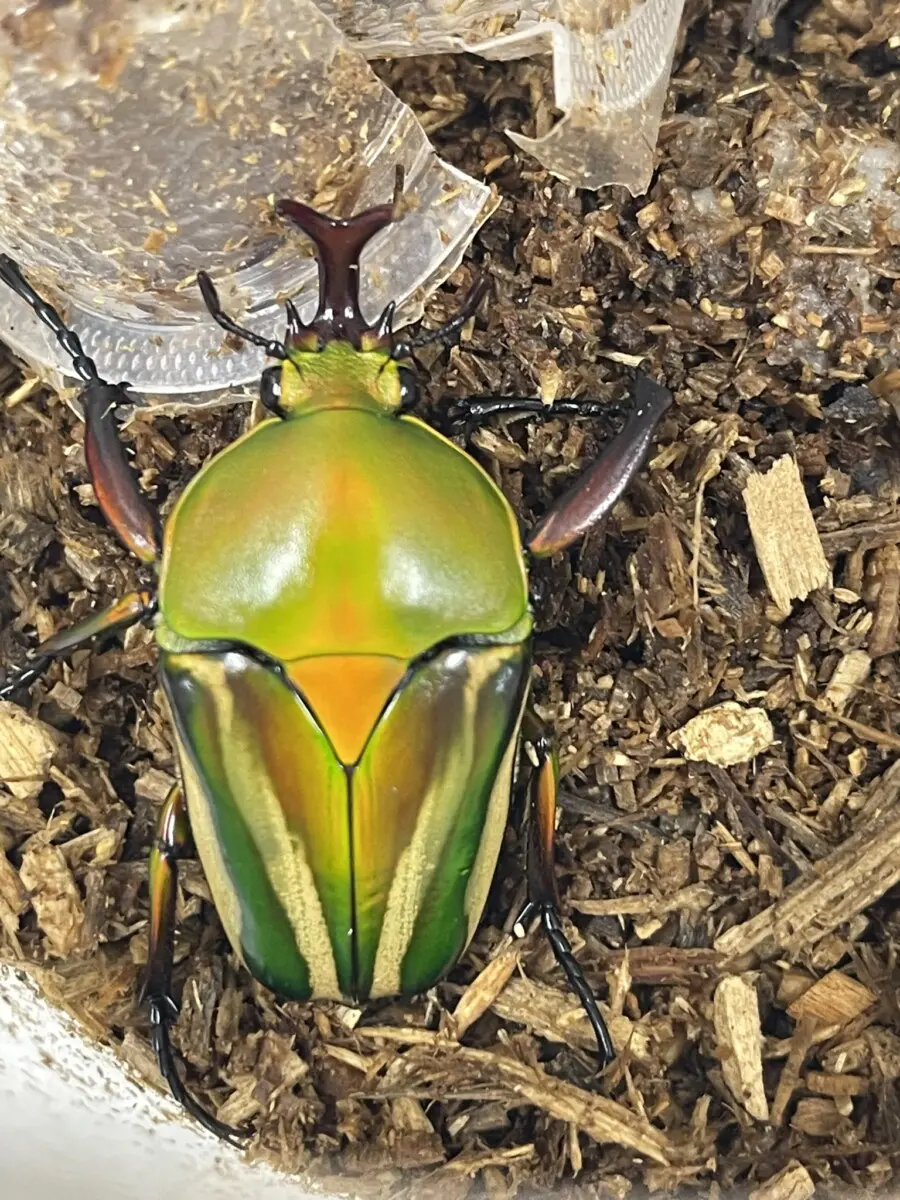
{"x": 345, "y": 630}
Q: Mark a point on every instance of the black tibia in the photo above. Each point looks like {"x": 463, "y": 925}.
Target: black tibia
{"x": 172, "y": 840}
{"x": 127, "y": 611}
{"x": 474, "y": 409}
{"x": 596, "y": 491}
{"x": 543, "y": 896}
{"x": 115, "y": 483}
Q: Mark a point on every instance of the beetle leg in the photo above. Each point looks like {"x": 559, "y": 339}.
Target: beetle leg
{"x": 114, "y": 480}
{"x": 594, "y": 494}
{"x": 475, "y": 409}
{"x": 172, "y": 839}
{"x": 543, "y": 895}
{"x": 125, "y": 612}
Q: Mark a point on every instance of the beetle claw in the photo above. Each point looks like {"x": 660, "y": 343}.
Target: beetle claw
{"x": 162, "y": 1011}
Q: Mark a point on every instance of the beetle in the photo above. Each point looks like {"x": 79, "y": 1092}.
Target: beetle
{"x": 342, "y": 612}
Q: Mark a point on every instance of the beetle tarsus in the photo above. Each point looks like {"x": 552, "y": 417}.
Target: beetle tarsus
{"x": 173, "y": 837}
{"x": 273, "y": 348}
{"x": 120, "y": 615}
{"x": 543, "y": 897}
{"x": 474, "y": 409}
{"x": 163, "y": 1011}
{"x": 445, "y": 332}
{"x": 84, "y": 366}
{"x": 562, "y": 949}
{"x": 26, "y": 675}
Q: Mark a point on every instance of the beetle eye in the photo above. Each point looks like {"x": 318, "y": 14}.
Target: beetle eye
{"x": 270, "y": 390}
{"x": 409, "y": 388}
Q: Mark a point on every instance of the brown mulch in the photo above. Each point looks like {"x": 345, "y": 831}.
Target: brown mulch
{"x": 719, "y": 664}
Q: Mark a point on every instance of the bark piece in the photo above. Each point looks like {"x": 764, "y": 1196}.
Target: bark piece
{"x": 725, "y": 735}
{"x": 827, "y": 1084}
{"x": 784, "y": 533}
{"x": 604, "y": 1120}
{"x": 801, "y": 1041}
{"x": 818, "y": 1117}
{"x": 484, "y": 990}
{"x": 883, "y": 637}
{"x": 695, "y": 897}
{"x": 846, "y": 881}
{"x": 739, "y": 1038}
{"x": 13, "y": 899}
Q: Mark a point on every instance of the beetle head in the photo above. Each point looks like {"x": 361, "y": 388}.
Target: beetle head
{"x": 338, "y": 247}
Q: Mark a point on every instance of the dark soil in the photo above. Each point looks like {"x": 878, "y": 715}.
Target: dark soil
{"x": 759, "y": 279}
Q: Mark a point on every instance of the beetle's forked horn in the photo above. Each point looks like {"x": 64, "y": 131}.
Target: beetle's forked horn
{"x": 338, "y": 245}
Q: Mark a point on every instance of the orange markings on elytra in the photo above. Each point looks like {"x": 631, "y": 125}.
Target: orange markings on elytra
{"x": 347, "y": 692}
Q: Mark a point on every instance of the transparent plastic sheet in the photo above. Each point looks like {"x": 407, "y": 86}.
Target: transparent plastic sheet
{"x": 611, "y": 65}
{"x": 140, "y": 142}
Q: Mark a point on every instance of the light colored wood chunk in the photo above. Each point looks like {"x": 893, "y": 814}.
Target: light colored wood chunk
{"x": 784, "y": 533}
{"x": 854, "y": 875}
{"x": 739, "y": 1038}
{"x": 484, "y": 990}
{"x": 818, "y": 1117}
{"x": 851, "y": 671}
{"x": 793, "y": 1182}
{"x": 827, "y": 1084}
{"x": 54, "y": 897}
{"x": 725, "y": 735}
{"x": 27, "y": 747}
{"x": 834, "y": 999}
{"x": 694, "y": 898}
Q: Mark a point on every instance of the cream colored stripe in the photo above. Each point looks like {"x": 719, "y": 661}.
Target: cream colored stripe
{"x": 204, "y": 834}
{"x": 282, "y": 851}
{"x": 437, "y": 816}
{"x": 492, "y": 835}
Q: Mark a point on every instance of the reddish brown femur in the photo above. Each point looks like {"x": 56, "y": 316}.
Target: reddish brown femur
{"x": 338, "y": 247}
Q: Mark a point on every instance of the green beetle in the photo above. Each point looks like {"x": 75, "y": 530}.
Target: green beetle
{"x": 342, "y": 613}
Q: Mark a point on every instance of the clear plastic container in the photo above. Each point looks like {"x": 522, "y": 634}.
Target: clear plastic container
{"x": 611, "y": 66}
{"x": 142, "y": 141}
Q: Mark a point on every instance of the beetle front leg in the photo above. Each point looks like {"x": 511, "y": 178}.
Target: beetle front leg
{"x": 124, "y": 613}
{"x": 543, "y": 895}
{"x": 172, "y": 840}
{"x": 115, "y": 483}
{"x": 473, "y": 410}
{"x": 593, "y": 495}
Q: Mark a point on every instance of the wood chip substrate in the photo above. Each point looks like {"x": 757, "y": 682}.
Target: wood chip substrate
{"x": 719, "y": 666}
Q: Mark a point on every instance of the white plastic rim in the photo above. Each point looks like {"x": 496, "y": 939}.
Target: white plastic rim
{"x": 74, "y": 1125}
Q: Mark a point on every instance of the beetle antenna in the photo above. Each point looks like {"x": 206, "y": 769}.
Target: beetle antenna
{"x": 445, "y": 332}
{"x": 84, "y": 366}
{"x": 211, "y": 299}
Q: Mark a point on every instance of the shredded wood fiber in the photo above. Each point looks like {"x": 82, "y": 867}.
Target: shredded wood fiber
{"x": 733, "y": 908}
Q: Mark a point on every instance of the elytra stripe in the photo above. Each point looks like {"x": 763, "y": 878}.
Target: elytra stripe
{"x": 442, "y": 744}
